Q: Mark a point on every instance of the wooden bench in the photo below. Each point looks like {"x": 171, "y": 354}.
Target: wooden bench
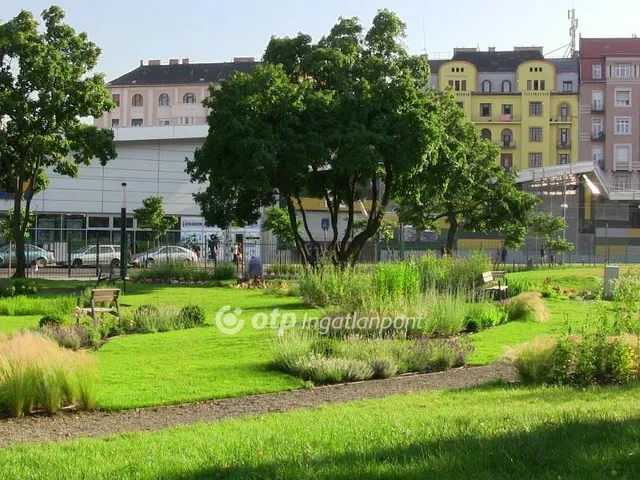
{"x": 108, "y": 296}
{"x": 498, "y": 291}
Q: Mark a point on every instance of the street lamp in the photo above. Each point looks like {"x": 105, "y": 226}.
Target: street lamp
{"x": 123, "y": 238}
{"x": 564, "y": 206}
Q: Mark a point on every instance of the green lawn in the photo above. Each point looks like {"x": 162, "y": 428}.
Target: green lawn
{"x": 570, "y": 278}
{"x": 486, "y": 433}
{"x": 203, "y": 363}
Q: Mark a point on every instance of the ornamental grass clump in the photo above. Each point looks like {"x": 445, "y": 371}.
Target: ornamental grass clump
{"x": 528, "y": 306}
{"x": 37, "y": 374}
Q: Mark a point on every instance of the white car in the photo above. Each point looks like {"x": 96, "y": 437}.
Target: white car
{"x": 161, "y": 255}
{"x": 90, "y": 256}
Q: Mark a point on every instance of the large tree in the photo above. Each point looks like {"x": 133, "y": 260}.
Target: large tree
{"x": 343, "y": 120}
{"x": 152, "y": 215}
{"x": 46, "y": 87}
{"x": 465, "y": 186}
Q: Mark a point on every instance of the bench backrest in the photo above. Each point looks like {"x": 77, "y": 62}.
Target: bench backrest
{"x": 104, "y": 295}
{"x": 487, "y": 277}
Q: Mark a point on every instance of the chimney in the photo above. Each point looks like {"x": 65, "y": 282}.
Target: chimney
{"x": 174, "y": 61}
{"x": 141, "y": 63}
{"x": 244, "y": 59}
{"x": 186, "y": 61}
{"x": 491, "y": 49}
{"x": 155, "y": 62}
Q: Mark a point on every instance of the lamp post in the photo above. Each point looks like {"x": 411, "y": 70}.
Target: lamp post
{"x": 123, "y": 238}
{"x": 564, "y": 207}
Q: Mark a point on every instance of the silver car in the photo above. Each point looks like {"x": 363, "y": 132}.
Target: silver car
{"x": 92, "y": 255}
{"x": 163, "y": 255}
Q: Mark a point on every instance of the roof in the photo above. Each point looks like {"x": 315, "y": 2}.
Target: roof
{"x": 599, "y": 47}
{"x": 507, "y": 61}
{"x": 180, "y": 74}
{"x": 566, "y": 65}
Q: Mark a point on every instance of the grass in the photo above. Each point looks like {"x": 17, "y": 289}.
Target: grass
{"x": 203, "y": 363}
{"x": 569, "y": 278}
{"x": 486, "y": 433}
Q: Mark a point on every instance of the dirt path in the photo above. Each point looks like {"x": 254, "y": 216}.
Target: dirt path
{"x": 68, "y": 426}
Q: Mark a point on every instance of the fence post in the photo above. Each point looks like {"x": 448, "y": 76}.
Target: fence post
{"x": 68, "y": 255}
{"x": 97, "y": 255}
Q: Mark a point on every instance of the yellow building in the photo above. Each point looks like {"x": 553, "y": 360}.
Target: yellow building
{"x": 526, "y": 104}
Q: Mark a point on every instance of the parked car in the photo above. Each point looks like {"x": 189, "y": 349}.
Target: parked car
{"x": 34, "y": 255}
{"x": 168, "y": 254}
{"x": 90, "y": 256}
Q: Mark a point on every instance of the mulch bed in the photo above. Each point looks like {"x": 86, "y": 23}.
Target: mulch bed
{"x": 69, "y": 425}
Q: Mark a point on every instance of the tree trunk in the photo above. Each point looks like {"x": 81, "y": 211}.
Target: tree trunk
{"x": 18, "y": 237}
{"x": 453, "y": 230}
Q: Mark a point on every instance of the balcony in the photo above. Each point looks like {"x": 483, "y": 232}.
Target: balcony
{"x": 563, "y": 118}
{"x": 565, "y": 144}
{"x": 507, "y": 144}
{"x": 598, "y": 136}
{"x": 597, "y": 107}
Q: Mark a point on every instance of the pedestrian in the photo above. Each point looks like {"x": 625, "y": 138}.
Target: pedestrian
{"x": 256, "y": 273}
{"x": 504, "y": 255}
{"x": 543, "y": 254}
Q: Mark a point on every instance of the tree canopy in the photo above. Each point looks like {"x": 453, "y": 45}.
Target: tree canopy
{"x": 152, "y": 216}
{"x": 343, "y": 120}
{"x": 550, "y": 227}
{"x": 465, "y": 185}
{"x": 46, "y": 87}
{"x": 277, "y": 221}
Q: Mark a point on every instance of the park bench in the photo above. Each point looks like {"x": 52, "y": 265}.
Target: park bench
{"x": 108, "y": 296}
{"x": 494, "y": 286}
{"x": 111, "y": 279}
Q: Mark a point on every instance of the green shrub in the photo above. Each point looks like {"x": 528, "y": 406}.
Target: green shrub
{"x": 580, "y": 360}
{"x": 35, "y": 373}
{"x": 453, "y": 274}
{"x": 18, "y": 286}
{"x": 528, "y": 306}
{"x": 178, "y": 273}
{"x": 51, "y": 320}
{"x": 288, "y": 349}
{"x": 626, "y": 290}
{"x": 286, "y": 271}
{"x": 518, "y": 286}
{"x": 383, "y": 367}
{"x": 321, "y": 370}
{"x": 192, "y": 316}
{"x": 152, "y": 319}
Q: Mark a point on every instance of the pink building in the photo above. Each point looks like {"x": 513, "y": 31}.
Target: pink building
{"x": 610, "y": 107}
{"x": 170, "y": 94}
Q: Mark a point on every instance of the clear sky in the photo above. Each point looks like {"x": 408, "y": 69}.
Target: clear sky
{"x": 214, "y": 30}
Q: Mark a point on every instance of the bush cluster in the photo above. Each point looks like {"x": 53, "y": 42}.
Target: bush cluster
{"x": 152, "y": 319}
{"x": 18, "y": 286}
{"x": 36, "y": 374}
{"x": 183, "y": 274}
{"x": 579, "y": 360}
{"x": 324, "y": 360}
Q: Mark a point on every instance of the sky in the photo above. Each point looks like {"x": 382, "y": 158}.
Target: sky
{"x": 217, "y": 31}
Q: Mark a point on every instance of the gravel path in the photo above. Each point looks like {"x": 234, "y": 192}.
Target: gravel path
{"x": 66, "y": 426}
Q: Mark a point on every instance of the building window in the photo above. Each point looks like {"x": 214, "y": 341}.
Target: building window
{"x": 507, "y": 111}
{"x": 189, "y": 98}
{"x": 623, "y": 125}
{"x": 564, "y": 138}
{"x": 535, "y": 134}
{"x": 136, "y": 122}
{"x": 567, "y": 86}
{"x": 486, "y": 133}
{"x": 542, "y": 85}
{"x": 507, "y": 138}
{"x": 506, "y": 86}
{"x": 458, "y": 85}
{"x": 535, "y": 160}
{"x": 623, "y": 98}
{"x": 622, "y": 70}
{"x": 137, "y": 101}
{"x": 622, "y": 157}
{"x": 163, "y": 100}
{"x": 485, "y": 109}
{"x": 535, "y": 109}
{"x": 115, "y": 122}
{"x": 597, "y": 101}
{"x": 116, "y": 99}
{"x": 187, "y": 120}
{"x": 597, "y": 155}
{"x": 564, "y": 112}
{"x": 621, "y": 182}
{"x": 596, "y": 70}
{"x": 486, "y": 86}
{"x": 506, "y": 161}
{"x": 536, "y": 85}
{"x": 164, "y": 122}
{"x": 563, "y": 159}
{"x": 98, "y": 222}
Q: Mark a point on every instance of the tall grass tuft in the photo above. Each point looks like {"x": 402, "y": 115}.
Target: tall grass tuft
{"x": 452, "y": 274}
{"x": 35, "y": 373}
{"x": 529, "y": 306}
{"x": 24, "y": 305}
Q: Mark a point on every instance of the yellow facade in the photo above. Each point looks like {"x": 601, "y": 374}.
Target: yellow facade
{"x": 507, "y": 118}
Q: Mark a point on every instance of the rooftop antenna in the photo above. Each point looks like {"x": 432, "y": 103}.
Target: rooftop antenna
{"x": 424, "y": 37}
{"x": 571, "y": 15}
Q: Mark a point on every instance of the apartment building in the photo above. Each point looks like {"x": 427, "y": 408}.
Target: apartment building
{"x": 526, "y": 104}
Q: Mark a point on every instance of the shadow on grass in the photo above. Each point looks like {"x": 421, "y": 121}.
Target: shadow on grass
{"x": 563, "y": 449}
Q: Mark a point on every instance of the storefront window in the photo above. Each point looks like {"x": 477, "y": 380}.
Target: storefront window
{"x": 98, "y": 222}
{"x": 49, "y": 221}
{"x": 117, "y": 223}
{"x": 47, "y": 236}
{"x": 75, "y": 222}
